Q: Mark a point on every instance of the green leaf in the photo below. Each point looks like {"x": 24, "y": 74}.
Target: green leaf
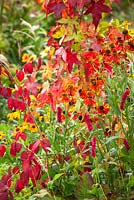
{"x": 57, "y": 176}
{"x": 111, "y": 139}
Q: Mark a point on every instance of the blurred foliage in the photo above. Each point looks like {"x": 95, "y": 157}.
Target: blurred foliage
{"x": 23, "y": 28}
{"x": 124, "y": 11}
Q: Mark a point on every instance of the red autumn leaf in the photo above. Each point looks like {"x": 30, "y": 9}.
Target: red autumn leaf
{"x": 15, "y": 148}
{"x": 15, "y": 104}
{"x": 72, "y": 3}
{"x": 24, "y": 155}
{"x": 34, "y": 174}
{"x": 61, "y": 53}
{"x": 28, "y": 118}
{"x": 2, "y": 150}
{"x": 20, "y": 105}
{"x": 26, "y": 165}
{"x": 80, "y": 4}
{"x": 45, "y": 144}
{"x": 6, "y": 179}
{"x": 96, "y": 9}
{"x": 34, "y": 147}
{"x": 20, "y": 75}
{"x": 4, "y": 196}
{"x": 21, "y": 135}
{"x": 32, "y": 86}
{"x": 19, "y": 186}
{"x": 3, "y": 187}
{"x": 5, "y": 183}
{"x": 28, "y": 68}
{"x": 71, "y": 59}
{"x": 5, "y": 92}
{"x": 16, "y": 170}
{"x": 24, "y": 177}
{"x": 56, "y": 8}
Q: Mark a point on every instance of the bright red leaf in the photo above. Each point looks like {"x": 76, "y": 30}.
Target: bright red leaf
{"x": 2, "y": 150}
{"x": 28, "y": 68}
{"x": 20, "y": 75}
{"x": 15, "y": 148}
{"x": 71, "y": 59}
{"x": 19, "y": 186}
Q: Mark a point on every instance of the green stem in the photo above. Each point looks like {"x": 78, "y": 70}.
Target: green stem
{"x": 1, "y": 12}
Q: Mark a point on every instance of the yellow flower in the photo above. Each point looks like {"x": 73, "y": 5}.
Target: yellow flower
{"x": 31, "y": 58}
{"x": 48, "y": 51}
{"x": 33, "y": 128}
{"x": 1, "y": 135}
{"x": 24, "y": 126}
{"x": 14, "y": 115}
{"x": 25, "y": 57}
{"x": 41, "y": 118}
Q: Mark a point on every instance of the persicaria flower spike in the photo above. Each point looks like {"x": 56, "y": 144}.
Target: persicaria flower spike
{"x": 88, "y": 122}
{"x": 59, "y": 112}
{"x": 93, "y": 151}
{"x": 123, "y": 99}
{"x": 127, "y": 146}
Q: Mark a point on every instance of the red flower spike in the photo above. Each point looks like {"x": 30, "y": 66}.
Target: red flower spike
{"x": 67, "y": 158}
{"x": 59, "y": 112}
{"x": 86, "y": 167}
{"x": 123, "y": 99}
{"x": 42, "y": 183}
{"x": 127, "y": 146}
{"x": 39, "y": 63}
{"x": 20, "y": 75}
{"x": 2, "y": 150}
{"x": 60, "y": 158}
{"x": 28, "y": 68}
{"x": 88, "y": 122}
{"x": 15, "y": 148}
{"x": 93, "y": 151}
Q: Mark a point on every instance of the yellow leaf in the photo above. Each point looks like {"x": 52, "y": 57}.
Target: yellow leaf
{"x": 59, "y": 33}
